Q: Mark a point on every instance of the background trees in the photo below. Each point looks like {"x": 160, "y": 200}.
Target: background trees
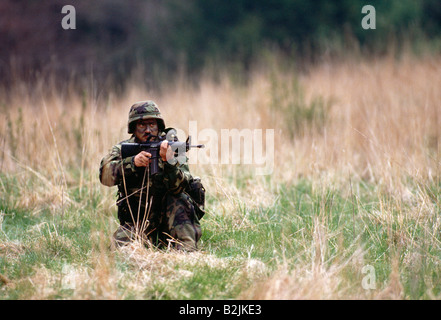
{"x": 113, "y": 38}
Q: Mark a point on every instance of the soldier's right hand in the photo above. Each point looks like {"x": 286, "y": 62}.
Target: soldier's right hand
{"x": 142, "y": 159}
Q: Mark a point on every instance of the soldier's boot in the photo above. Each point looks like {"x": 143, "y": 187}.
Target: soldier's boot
{"x": 187, "y": 235}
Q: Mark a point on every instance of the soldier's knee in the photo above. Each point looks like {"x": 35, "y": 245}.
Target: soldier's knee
{"x": 183, "y": 224}
{"x": 179, "y": 205}
{"x": 123, "y": 235}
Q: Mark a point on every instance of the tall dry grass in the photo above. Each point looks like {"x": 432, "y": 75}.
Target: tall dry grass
{"x": 382, "y": 122}
{"x": 381, "y": 126}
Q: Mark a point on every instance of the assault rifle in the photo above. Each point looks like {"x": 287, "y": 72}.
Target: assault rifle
{"x": 152, "y": 147}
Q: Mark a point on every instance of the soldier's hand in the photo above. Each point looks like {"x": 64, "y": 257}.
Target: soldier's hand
{"x": 165, "y": 151}
{"x": 142, "y": 159}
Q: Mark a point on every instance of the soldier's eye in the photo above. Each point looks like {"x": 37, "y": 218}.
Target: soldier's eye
{"x": 145, "y": 124}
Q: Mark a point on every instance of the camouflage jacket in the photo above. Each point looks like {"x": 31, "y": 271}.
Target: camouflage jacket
{"x": 130, "y": 179}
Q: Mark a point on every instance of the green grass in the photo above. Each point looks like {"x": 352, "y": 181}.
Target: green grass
{"x": 305, "y": 227}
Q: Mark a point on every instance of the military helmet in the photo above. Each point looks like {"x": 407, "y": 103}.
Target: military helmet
{"x": 145, "y": 110}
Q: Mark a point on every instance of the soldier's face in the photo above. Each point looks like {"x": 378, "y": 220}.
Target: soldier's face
{"x": 146, "y": 127}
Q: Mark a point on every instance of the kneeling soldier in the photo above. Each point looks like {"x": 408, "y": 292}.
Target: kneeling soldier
{"x": 163, "y": 208}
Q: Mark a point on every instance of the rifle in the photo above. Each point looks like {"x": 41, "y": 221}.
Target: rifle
{"x": 152, "y": 147}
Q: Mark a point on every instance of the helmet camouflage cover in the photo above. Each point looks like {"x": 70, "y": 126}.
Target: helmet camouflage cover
{"x": 144, "y": 110}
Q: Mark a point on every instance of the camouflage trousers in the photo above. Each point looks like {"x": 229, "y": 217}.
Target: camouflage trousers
{"x": 174, "y": 223}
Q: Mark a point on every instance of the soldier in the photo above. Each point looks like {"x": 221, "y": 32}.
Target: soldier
{"x": 156, "y": 208}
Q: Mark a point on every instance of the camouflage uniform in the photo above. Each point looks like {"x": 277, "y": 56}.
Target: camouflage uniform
{"x": 158, "y": 208}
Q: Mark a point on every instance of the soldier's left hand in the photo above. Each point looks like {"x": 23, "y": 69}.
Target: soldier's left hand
{"x": 165, "y": 151}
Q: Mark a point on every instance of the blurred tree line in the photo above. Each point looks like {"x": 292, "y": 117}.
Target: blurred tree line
{"x": 115, "y": 38}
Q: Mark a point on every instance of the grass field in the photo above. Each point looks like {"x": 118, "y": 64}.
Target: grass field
{"x": 350, "y": 211}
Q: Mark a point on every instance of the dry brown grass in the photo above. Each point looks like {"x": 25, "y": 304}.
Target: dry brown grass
{"x": 384, "y": 122}
{"x": 383, "y": 127}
